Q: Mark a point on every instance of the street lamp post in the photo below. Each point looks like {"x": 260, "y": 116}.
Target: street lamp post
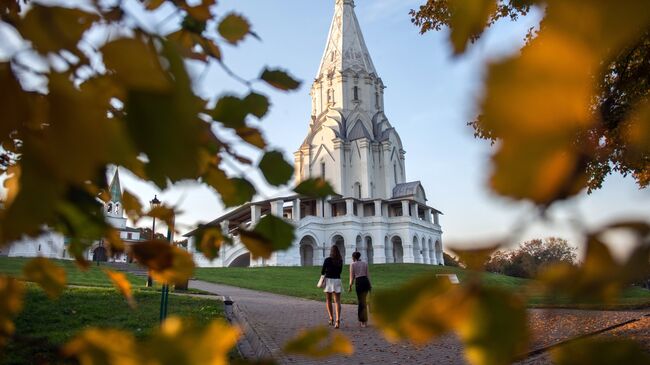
{"x": 154, "y": 204}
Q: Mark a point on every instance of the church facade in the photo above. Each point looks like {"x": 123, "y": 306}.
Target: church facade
{"x": 351, "y": 144}
{"x": 54, "y": 245}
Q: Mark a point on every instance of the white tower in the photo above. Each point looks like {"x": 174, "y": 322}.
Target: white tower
{"x": 350, "y": 141}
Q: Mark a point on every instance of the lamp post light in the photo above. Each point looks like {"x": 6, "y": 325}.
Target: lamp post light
{"x": 154, "y": 204}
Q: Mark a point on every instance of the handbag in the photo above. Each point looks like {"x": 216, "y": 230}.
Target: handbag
{"x": 321, "y": 282}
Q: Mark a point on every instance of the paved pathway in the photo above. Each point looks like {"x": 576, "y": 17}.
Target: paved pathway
{"x": 277, "y": 318}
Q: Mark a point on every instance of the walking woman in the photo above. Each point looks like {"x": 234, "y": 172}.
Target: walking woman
{"x": 332, "y": 268}
{"x": 359, "y": 276}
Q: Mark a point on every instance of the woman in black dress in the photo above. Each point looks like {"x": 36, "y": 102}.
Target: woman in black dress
{"x": 332, "y": 267}
{"x": 360, "y": 277}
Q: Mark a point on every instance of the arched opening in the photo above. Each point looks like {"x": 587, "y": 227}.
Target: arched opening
{"x": 439, "y": 256}
{"x": 425, "y": 252}
{"x": 388, "y": 251}
{"x": 359, "y": 247}
{"x": 243, "y": 260}
{"x": 99, "y": 254}
{"x": 417, "y": 255}
{"x": 432, "y": 253}
{"x": 307, "y": 246}
{"x": 398, "y": 249}
{"x": 370, "y": 253}
{"x": 339, "y": 242}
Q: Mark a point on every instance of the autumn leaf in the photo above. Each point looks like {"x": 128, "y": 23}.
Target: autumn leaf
{"x": 51, "y": 29}
{"x": 122, "y": 284}
{"x": 319, "y": 342}
{"x": 252, "y": 136}
{"x": 141, "y": 70}
{"x": 234, "y": 28}
{"x": 256, "y": 104}
{"x": 166, "y": 263}
{"x": 279, "y": 79}
{"x": 233, "y": 191}
{"x": 11, "y": 302}
{"x": 275, "y": 168}
{"x": 475, "y": 259}
{"x": 468, "y": 19}
{"x": 269, "y": 235}
{"x": 49, "y": 276}
{"x": 132, "y": 206}
{"x": 317, "y": 188}
{"x": 103, "y": 346}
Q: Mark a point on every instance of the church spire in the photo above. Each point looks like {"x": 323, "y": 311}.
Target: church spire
{"x": 115, "y": 188}
{"x": 346, "y": 48}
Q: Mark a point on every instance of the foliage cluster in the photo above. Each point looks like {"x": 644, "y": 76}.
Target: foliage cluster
{"x": 531, "y": 257}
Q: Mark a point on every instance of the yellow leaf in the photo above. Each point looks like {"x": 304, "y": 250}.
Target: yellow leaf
{"x": 468, "y": 18}
{"x": 47, "y": 275}
{"x": 11, "y": 302}
{"x": 132, "y": 206}
{"x": 122, "y": 284}
{"x": 475, "y": 259}
{"x": 180, "y": 343}
{"x": 210, "y": 241}
{"x": 163, "y": 213}
{"x": 141, "y": 69}
{"x": 319, "y": 342}
{"x": 103, "y": 347}
{"x": 167, "y": 263}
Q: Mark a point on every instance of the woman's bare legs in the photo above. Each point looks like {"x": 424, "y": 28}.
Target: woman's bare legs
{"x": 328, "y": 302}
{"x": 337, "y": 302}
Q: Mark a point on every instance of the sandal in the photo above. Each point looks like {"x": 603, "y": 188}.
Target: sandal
{"x": 338, "y": 324}
{"x": 331, "y": 322}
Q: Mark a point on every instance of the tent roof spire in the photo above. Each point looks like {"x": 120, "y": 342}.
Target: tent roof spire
{"x": 345, "y": 49}
{"x": 115, "y": 189}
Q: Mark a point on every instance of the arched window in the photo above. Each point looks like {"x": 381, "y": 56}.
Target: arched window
{"x": 357, "y": 189}
{"x": 356, "y": 93}
{"x": 395, "y": 171}
{"x": 322, "y": 170}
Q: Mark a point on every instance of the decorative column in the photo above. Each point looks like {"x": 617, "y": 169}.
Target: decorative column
{"x": 256, "y": 212}
{"x": 427, "y": 215}
{"x": 405, "y": 208}
{"x": 378, "y": 212}
{"x": 296, "y": 210}
{"x": 276, "y": 208}
{"x": 349, "y": 207}
{"x": 436, "y": 218}
{"x": 328, "y": 208}
{"x": 319, "y": 208}
{"x": 414, "y": 211}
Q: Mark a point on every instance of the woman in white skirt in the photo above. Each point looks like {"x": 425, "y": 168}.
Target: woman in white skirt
{"x": 332, "y": 267}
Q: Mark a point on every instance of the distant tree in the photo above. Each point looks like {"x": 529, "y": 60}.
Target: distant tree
{"x": 145, "y": 233}
{"x": 450, "y": 260}
{"x": 531, "y": 256}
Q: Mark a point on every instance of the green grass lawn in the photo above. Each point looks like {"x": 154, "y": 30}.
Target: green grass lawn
{"x": 44, "y": 325}
{"x": 301, "y": 282}
{"x": 94, "y": 276}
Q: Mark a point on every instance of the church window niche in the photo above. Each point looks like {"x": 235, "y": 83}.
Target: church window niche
{"x": 330, "y": 96}
{"x": 356, "y": 93}
{"x": 110, "y": 207}
{"x": 322, "y": 170}
{"x": 39, "y": 248}
{"x": 395, "y": 171}
{"x": 377, "y": 99}
{"x": 357, "y": 190}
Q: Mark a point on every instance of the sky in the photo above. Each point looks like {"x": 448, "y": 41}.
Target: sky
{"x": 430, "y": 97}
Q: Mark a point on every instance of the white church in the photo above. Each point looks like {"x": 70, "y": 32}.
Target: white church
{"x": 54, "y": 245}
{"x": 352, "y": 145}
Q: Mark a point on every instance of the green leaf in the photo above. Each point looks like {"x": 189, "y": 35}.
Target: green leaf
{"x": 234, "y": 28}
{"x": 279, "y": 79}
{"x": 231, "y": 111}
{"x": 269, "y": 235}
{"x": 257, "y": 104}
{"x": 317, "y": 188}
{"x": 209, "y": 241}
{"x": 275, "y": 168}
{"x": 319, "y": 342}
{"x": 233, "y": 191}
{"x": 47, "y": 275}
{"x": 51, "y": 29}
